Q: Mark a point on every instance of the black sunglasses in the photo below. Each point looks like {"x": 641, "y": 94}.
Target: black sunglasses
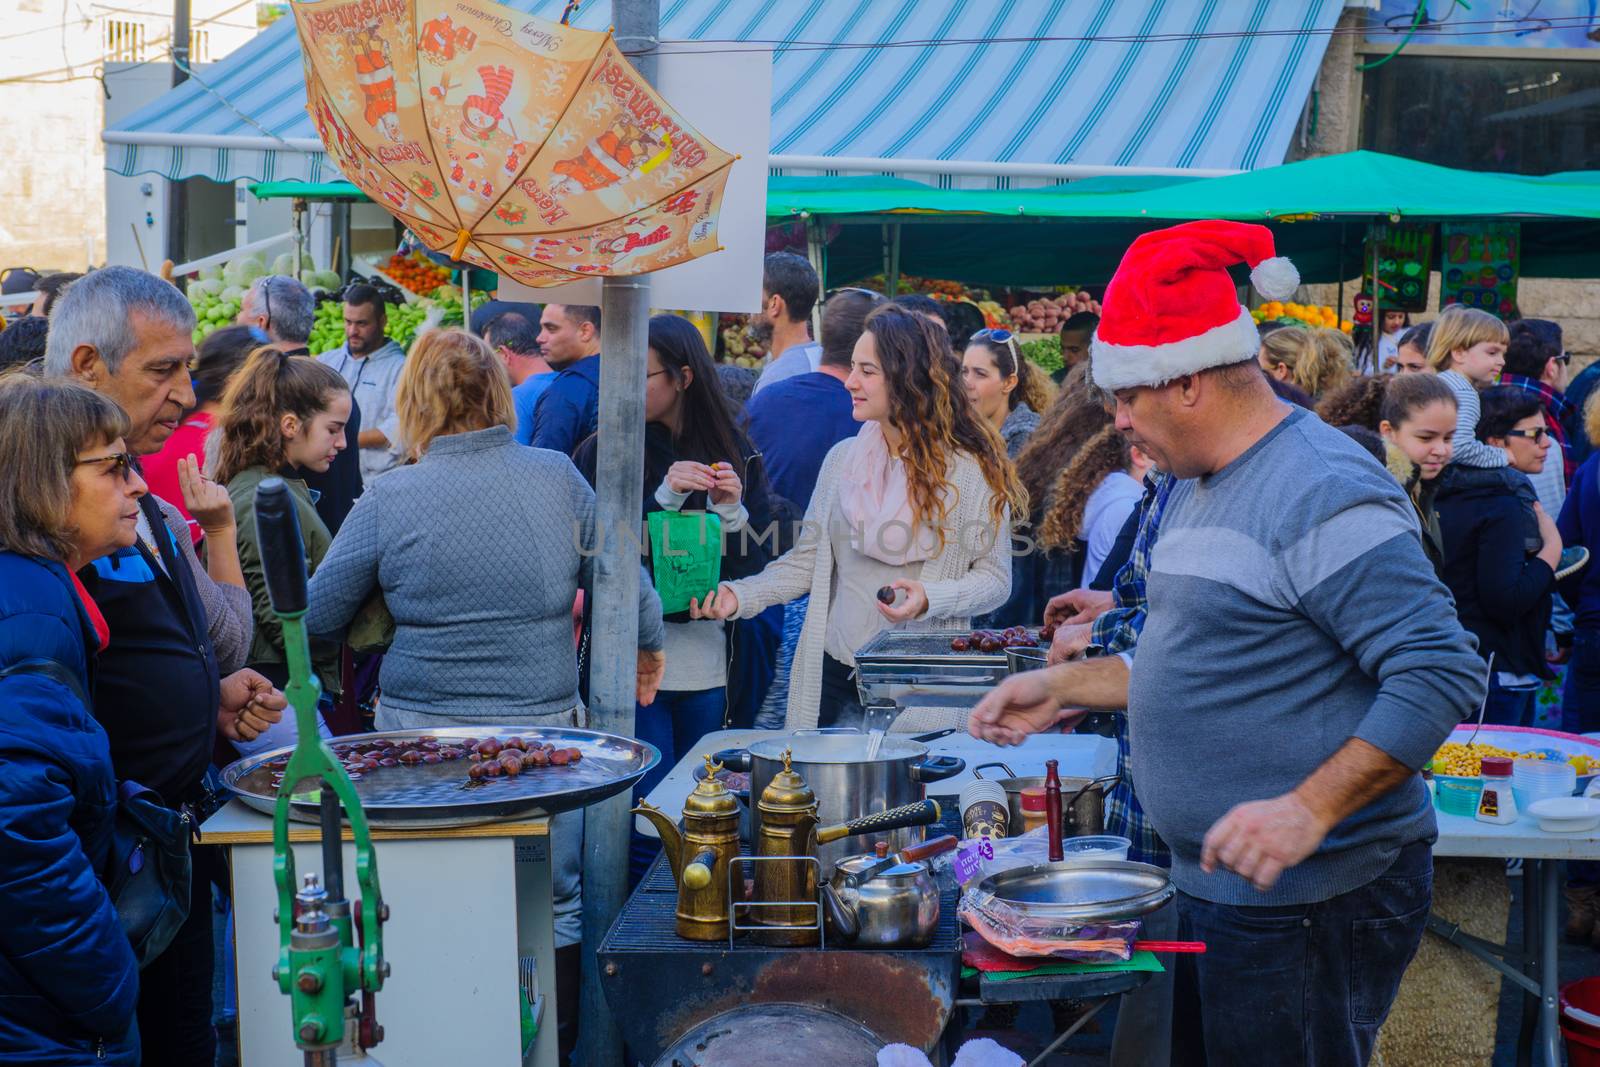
{"x": 1533, "y": 435}
{"x": 121, "y": 463}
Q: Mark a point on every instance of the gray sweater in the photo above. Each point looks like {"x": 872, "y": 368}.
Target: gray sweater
{"x": 1290, "y": 609}
{"x": 476, "y": 549}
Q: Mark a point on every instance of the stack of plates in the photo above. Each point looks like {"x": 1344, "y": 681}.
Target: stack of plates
{"x": 1533, "y": 780}
{"x": 1566, "y": 815}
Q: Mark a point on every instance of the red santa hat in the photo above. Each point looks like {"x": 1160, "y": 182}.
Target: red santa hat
{"x": 1172, "y": 309}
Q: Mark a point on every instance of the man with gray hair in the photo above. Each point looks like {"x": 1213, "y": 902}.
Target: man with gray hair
{"x": 170, "y": 680}
{"x": 283, "y": 308}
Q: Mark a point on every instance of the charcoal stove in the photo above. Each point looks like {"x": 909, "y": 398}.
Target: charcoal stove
{"x": 659, "y": 985}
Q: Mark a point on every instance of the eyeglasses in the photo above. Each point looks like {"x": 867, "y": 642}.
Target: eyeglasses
{"x": 998, "y": 336}
{"x": 1565, "y": 357}
{"x": 121, "y": 464}
{"x": 1536, "y": 436}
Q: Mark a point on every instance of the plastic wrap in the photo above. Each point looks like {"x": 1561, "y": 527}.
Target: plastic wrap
{"x": 978, "y": 858}
{"x": 1012, "y": 930}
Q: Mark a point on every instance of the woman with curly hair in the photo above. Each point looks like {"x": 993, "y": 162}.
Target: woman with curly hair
{"x": 1318, "y": 361}
{"x": 1076, "y": 415}
{"x": 907, "y": 527}
{"x": 1005, "y": 389}
{"x": 1093, "y": 498}
{"x": 1358, "y": 402}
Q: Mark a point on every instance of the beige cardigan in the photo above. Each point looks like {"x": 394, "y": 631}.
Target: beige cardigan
{"x": 966, "y": 579}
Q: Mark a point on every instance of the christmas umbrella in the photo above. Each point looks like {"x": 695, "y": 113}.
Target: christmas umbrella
{"x": 509, "y": 142}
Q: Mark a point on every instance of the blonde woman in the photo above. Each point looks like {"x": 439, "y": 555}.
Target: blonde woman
{"x": 1468, "y": 350}
{"x": 1316, "y": 360}
{"x": 479, "y": 546}
{"x": 909, "y": 525}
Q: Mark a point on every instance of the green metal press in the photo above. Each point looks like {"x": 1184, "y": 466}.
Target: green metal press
{"x": 327, "y": 953}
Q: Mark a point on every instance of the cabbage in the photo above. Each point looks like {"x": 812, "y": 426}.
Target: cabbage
{"x": 326, "y": 279}
{"x": 209, "y": 286}
{"x": 284, "y": 264}
{"x": 232, "y": 294}
{"x": 212, "y": 273}
{"x": 242, "y": 272}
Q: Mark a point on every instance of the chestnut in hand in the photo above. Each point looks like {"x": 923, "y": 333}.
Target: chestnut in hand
{"x": 886, "y": 594}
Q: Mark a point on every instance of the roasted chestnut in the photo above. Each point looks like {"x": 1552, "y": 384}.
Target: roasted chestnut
{"x": 432, "y": 757}
{"x": 960, "y": 644}
{"x": 1047, "y": 634}
{"x": 536, "y": 758}
{"x": 388, "y": 762}
{"x": 512, "y": 742}
{"x": 492, "y": 768}
{"x": 488, "y": 748}
{"x": 475, "y": 772}
{"x": 886, "y": 594}
{"x": 410, "y": 757}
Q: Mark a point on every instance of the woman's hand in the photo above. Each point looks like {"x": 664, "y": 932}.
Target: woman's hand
{"x": 207, "y": 501}
{"x": 1551, "y": 552}
{"x": 650, "y": 669}
{"x": 719, "y": 604}
{"x": 728, "y": 489}
{"x": 913, "y": 606}
{"x": 686, "y": 476}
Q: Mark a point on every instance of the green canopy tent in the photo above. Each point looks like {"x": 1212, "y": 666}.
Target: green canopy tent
{"x": 1317, "y": 208}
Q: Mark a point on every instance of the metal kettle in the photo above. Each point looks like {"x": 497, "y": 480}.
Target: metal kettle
{"x": 896, "y": 907}
{"x": 699, "y": 854}
{"x": 788, "y": 821}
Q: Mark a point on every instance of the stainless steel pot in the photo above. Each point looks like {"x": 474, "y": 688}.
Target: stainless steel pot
{"x": 847, "y": 784}
{"x": 1083, "y": 800}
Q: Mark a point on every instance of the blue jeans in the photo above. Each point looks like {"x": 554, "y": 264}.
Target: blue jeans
{"x": 675, "y": 723}
{"x": 1302, "y": 985}
{"x": 1580, "y": 697}
{"x": 1509, "y": 707}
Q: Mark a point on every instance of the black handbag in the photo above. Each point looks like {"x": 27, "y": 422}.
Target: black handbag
{"x": 148, "y": 873}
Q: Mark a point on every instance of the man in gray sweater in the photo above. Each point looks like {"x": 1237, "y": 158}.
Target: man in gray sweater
{"x": 1299, "y": 661}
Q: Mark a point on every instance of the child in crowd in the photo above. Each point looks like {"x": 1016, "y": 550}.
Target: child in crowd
{"x": 1418, "y": 420}
{"x": 280, "y": 412}
{"x": 1395, "y": 324}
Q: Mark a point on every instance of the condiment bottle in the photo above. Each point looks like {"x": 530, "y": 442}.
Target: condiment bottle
{"x": 1052, "y": 808}
{"x": 1033, "y": 808}
{"x": 1497, "y": 804}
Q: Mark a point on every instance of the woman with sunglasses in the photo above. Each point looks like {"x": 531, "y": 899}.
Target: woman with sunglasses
{"x": 219, "y": 355}
{"x": 909, "y": 525}
{"x": 695, "y": 459}
{"x": 1502, "y": 582}
{"x": 1005, "y": 390}
{"x": 69, "y": 495}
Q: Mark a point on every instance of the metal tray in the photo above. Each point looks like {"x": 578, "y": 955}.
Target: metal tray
{"x": 1082, "y": 890}
{"x": 425, "y": 796}
{"x": 914, "y": 668}
{"x": 923, "y": 647}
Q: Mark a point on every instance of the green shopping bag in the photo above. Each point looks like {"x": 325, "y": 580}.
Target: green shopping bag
{"x": 685, "y": 556}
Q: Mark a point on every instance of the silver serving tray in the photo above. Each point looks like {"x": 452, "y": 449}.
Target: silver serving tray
{"x": 1082, "y": 890}
{"x": 891, "y": 648}
{"x": 432, "y": 795}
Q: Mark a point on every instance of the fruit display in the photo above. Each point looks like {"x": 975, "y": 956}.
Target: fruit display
{"x": 217, "y": 294}
{"x": 1292, "y": 314}
{"x": 1046, "y": 314}
{"x": 416, "y": 272}
{"x": 1044, "y": 352}
{"x": 992, "y": 641}
{"x": 738, "y": 346}
{"x": 448, "y": 300}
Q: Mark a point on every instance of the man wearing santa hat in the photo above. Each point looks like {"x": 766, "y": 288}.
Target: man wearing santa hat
{"x": 1298, "y": 662}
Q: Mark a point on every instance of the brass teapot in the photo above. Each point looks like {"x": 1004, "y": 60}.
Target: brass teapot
{"x": 788, "y": 820}
{"x": 699, "y": 854}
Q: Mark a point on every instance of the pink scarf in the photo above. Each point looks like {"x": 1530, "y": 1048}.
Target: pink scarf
{"x": 874, "y": 501}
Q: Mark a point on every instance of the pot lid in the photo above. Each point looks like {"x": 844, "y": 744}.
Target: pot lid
{"x": 787, "y": 792}
{"x": 1082, "y": 890}
{"x": 710, "y": 797}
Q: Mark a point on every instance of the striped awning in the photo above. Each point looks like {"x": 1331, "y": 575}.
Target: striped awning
{"x": 955, "y": 92}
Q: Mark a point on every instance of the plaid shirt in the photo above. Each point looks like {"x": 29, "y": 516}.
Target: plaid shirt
{"x": 1118, "y": 631}
{"x": 1556, "y": 411}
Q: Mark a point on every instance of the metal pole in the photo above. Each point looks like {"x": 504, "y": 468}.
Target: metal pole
{"x": 177, "y": 200}
{"x": 893, "y": 280}
{"x": 625, "y": 324}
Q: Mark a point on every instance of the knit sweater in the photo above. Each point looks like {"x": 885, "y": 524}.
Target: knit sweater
{"x": 480, "y": 549}
{"x": 965, "y": 579}
{"x": 1465, "y": 446}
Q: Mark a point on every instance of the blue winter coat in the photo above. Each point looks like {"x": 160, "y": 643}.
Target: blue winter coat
{"x": 69, "y": 984}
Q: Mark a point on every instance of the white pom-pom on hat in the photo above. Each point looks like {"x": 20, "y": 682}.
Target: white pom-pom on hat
{"x": 1275, "y": 278}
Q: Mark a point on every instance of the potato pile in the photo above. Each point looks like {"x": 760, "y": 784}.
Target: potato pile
{"x": 1046, "y": 314}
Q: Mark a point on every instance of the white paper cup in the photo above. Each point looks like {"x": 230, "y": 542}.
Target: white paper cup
{"x": 984, "y": 811}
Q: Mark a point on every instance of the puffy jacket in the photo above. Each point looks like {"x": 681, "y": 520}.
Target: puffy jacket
{"x": 69, "y": 985}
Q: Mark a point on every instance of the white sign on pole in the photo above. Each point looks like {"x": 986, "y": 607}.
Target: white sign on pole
{"x": 728, "y": 97}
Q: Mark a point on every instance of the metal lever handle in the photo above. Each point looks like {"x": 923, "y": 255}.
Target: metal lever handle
{"x": 922, "y": 813}
{"x": 283, "y": 556}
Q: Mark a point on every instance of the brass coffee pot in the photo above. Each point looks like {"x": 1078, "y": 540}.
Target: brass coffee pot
{"x": 699, "y": 854}
{"x": 788, "y": 820}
